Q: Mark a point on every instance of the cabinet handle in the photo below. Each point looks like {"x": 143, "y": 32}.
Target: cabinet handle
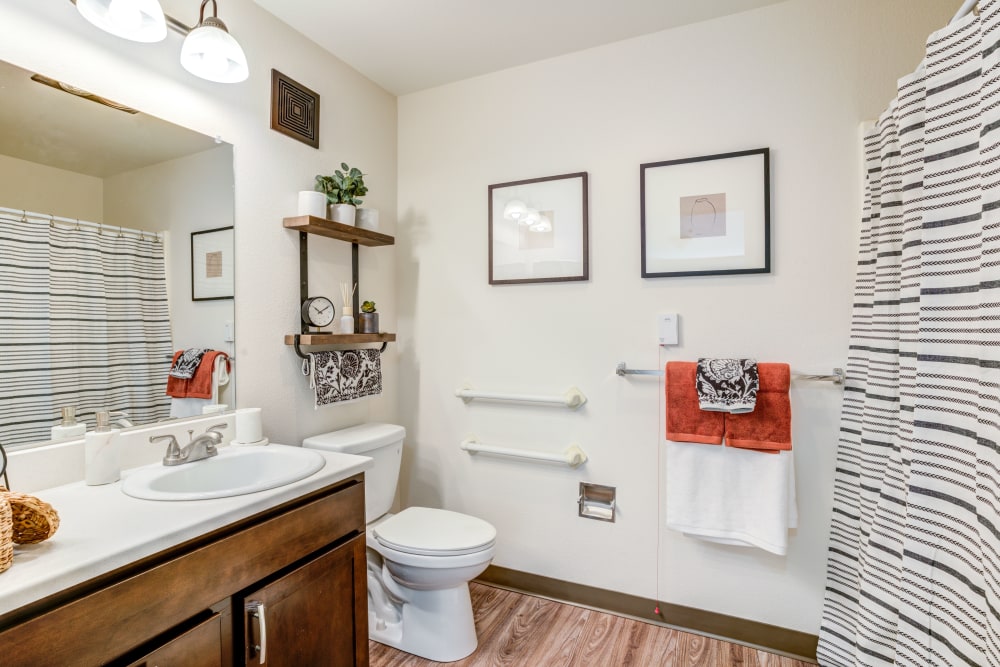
{"x": 256, "y": 609}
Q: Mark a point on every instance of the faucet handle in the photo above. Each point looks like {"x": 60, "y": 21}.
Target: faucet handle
{"x": 173, "y": 455}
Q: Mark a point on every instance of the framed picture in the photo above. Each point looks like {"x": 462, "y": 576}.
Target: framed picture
{"x": 212, "y": 264}
{"x": 706, "y": 215}
{"x": 538, "y": 230}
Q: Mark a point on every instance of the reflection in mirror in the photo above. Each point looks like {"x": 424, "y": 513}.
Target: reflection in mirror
{"x": 98, "y": 205}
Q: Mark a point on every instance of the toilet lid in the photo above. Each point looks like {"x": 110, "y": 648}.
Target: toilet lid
{"x": 432, "y": 532}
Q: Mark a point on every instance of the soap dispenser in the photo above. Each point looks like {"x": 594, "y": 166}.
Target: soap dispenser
{"x": 69, "y": 428}
{"x": 102, "y": 452}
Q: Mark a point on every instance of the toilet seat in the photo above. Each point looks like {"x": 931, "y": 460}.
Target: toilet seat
{"x": 423, "y": 531}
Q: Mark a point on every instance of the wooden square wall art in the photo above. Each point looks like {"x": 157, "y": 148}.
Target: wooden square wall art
{"x": 294, "y": 109}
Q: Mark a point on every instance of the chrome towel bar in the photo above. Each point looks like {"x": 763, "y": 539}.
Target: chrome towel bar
{"x": 837, "y": 377}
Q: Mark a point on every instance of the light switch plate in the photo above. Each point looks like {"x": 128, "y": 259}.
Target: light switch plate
{"x": 667, "y": 329}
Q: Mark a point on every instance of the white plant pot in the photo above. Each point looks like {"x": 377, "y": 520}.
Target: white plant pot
{"x": 312, "y": 203}
{"x": 367, "y": 218}
{"x": 343, "y": 213}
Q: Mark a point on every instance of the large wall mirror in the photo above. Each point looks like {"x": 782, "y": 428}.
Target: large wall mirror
{"x": 116, "y": 251}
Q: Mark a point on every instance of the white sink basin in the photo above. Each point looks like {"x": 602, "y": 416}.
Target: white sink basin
{"x": 233, "y": 472}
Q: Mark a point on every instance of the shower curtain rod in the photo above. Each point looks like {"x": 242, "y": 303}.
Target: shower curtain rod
{"x": 21, "y": 214}
{"x": 966, "y": 7}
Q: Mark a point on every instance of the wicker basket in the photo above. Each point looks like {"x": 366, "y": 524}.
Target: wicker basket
{"x": 34, "y": 520}
{"x": 6, "y": 533}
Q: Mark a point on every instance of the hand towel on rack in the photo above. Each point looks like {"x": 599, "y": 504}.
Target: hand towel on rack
{"x": 186, "y": 362}
{"x": 685, "y": 421}
{"x": 769, "y": 427}
{"x": 190, "y": 397}
{"x": 345, "y": 375}
{"x": 727, "y": 385}
{"x": 730, "y": 495}
{"x": 203, "y": 382}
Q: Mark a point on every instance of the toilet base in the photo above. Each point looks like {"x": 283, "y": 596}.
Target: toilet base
{"x": 437, "y": 624}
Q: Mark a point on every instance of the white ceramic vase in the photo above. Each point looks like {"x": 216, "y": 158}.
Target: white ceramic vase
{"x": 343, "y": 213}
{"x": 367, "y": 218}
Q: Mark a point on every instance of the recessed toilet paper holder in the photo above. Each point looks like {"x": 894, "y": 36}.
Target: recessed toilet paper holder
{"x": 597, "y": 501}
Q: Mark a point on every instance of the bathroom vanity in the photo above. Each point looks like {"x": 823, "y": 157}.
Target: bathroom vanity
{"x": 274, "y": 578}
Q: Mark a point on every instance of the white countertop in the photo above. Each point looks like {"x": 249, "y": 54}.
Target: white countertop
{"x": 102, "y": 529}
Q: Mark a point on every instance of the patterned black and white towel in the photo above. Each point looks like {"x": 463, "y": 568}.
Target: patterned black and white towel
{"x": 187, "y": 363}
{"x": 727, "y": 385}
{"x": 345, "y": 375}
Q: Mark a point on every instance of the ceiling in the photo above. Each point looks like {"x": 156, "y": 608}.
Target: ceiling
{"x": 410, "y": 45}
{"x": 48, "y": 126}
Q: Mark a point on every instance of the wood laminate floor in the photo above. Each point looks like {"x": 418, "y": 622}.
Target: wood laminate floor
{"x": 524, "y": 631}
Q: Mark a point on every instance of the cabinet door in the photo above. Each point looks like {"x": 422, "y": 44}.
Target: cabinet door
{"x": 201, "y": 646}
{"x": 315, "y": 615}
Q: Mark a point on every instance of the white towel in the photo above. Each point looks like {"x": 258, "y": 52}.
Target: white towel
{"x": 731, "y": 495}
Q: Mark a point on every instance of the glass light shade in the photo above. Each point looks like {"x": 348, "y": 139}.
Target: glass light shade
{"x": 213, "y": 54}
{"x": 514, "y": 209}
{"x": 531, "y": 217}
{"x": 136, "y": 20}
{"x": 543, "y": 225}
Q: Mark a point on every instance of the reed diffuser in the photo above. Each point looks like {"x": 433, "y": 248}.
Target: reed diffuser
{"x": 347, "y": 319}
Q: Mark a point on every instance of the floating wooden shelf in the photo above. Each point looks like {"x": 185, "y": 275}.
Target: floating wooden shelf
{"x": 335, "y": 230}
{"x": 339, "y": 339}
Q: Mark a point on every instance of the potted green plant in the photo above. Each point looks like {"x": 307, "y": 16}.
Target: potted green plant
{"x": 342, "y": 190}
{"x": 369, "y": 318}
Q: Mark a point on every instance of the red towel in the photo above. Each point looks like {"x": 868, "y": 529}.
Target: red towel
{"x": 686, "y": 422}
{"x": 199, "y": 386}
{"x": 769, "y": 427}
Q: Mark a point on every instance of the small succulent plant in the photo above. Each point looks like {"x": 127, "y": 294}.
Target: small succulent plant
{"x": 368, "y": 307}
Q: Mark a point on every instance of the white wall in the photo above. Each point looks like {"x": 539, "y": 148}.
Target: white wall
{"x": 358, "y": 125}
{"x": 44, "y": 189}
{"x": 797, "y": 77}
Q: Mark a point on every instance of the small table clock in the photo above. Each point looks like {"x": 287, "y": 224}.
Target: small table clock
{"x": 318, "y": 311}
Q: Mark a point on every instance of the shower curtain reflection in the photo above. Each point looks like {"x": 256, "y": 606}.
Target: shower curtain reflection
{"x": 84, "y": 322}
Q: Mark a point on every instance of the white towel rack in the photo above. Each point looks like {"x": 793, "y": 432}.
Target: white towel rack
{"x": 573, "y": 398}
{"x": 572, "y": 456}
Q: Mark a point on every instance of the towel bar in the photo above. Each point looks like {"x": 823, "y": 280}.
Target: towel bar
{"x": 573, "y": 398}
{"x": 572, "y": 456}
{"x": 837, "y": 377}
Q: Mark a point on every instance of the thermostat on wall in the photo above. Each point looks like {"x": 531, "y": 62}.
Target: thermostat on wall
{"x": 667, "y": 329}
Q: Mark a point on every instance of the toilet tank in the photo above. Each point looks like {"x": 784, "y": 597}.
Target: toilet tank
{"x": 381, "y": 442}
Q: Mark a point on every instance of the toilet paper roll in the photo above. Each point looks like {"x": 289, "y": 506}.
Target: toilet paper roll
{"x": 312, "y": 203}
{"x": 248, "y": 425}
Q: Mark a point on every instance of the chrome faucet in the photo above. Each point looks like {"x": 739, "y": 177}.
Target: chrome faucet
{"x": 202, "y": 447}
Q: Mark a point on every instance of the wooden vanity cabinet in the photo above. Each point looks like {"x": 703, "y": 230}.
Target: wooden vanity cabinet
{"x": 185, "y": 606}
{"x": 307, "y": 616}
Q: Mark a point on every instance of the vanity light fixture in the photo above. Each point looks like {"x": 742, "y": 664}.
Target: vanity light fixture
{"x": 210, "y": 52}
{"x": 136, "y": 20}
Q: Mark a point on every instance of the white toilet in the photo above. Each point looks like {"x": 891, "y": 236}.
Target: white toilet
{"x": 420, "y": 561}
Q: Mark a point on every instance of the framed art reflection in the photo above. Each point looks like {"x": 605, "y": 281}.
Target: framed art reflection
{"x": 538, "y": 230}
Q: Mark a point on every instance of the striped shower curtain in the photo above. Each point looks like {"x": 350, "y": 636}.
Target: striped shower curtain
{"x": 83, "y": 322}
{"x": 913, "y": 574}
